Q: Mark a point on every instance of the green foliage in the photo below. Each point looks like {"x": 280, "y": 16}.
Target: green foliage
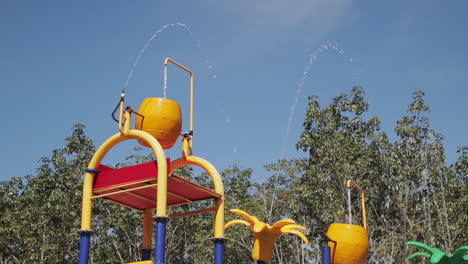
{"x": 40, "y": 214}
{"x": 436, "y": 255}
{"x": 411, "y": 195}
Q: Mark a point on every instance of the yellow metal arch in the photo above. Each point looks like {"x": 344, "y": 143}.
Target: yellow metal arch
{"x": 161, "y": 199}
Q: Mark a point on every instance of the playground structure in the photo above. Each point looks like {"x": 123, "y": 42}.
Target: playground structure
{"x": 266, "y": 235}
{"x": 152, "y": 187}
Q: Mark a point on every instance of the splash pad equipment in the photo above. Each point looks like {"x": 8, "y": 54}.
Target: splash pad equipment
{"x": 266, "y": 235}
{"x": 348, "y": 243}
{"x": 436, "y": 255}
{"x": 151, "y": 186}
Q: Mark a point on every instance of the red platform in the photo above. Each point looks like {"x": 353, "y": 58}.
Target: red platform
{"x": 135, "y": 187}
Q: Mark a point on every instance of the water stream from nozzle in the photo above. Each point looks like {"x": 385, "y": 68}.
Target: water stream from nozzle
{"x": 165, "y": 82}
{"x": 142, "y": 51}
{"x": 350, "y": 214}
{"x": 300, "y": 86}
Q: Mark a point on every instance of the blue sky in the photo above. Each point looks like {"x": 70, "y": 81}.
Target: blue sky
{"x": 65, "y": 62}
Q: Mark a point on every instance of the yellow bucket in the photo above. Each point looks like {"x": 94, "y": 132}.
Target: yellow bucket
{"x": 162, "y": 118}
{"x": 352, "y": 243}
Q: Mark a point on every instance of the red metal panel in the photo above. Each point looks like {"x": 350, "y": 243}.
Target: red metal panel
{"x": 189, "y": 189}
{"x": 118, "y": 177}
{"x": 180, "y": 190}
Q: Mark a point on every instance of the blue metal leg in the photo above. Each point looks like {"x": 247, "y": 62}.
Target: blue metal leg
{"x": 326, "y": 254}
{"x": 160, "y": 241}
{"x": 146, "y": 254}
{"x": 219, "y": 250}
{"x": 261, "y": 262}
{"x": 84, "y": 246}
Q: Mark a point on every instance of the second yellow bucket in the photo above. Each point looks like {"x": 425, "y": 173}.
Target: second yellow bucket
{"x": 162, "y": 118}
{"x": 352, "y": 245}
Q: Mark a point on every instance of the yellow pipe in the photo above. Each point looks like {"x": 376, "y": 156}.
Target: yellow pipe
{"x": 128, "y": 119}
{"x": 147, "y": 228}
{"x": 218, "y": 187}
{"x": 166, "y": 61}
{"x": 350, "y": 184}
{"x": 121, "y": 115}
{"x": 161, "y": 199}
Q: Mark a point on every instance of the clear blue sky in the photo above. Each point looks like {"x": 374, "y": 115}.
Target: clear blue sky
{"x": 65, "y": 62}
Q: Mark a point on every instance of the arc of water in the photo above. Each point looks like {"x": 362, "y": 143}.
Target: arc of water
{"x": 142, "y": 51}
{"x": 165, "y": 81}
{"x": 350, "y": 214}
{"x": 312, "y": 58}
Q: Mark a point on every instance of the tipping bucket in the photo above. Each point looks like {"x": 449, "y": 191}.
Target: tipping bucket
{"x": 350, "y": 243}
{"x": 162, "y": 118}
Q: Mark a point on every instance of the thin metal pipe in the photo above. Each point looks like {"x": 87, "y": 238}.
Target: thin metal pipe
{"x": 350, "y": 184}
{"x": 166, "y": 61}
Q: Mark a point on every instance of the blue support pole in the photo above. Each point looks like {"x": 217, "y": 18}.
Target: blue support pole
{"x": 160, "y": 241}
{"x": 145, "y": 254}
{"x": 219, "y": 250}
{"x": 261, "y": 262}
{"x": 84, "y": 246}
{"x": 326, "y": 253}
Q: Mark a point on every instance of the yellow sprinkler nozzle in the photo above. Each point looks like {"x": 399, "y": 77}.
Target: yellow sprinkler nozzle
{"x": 266, "y": 235}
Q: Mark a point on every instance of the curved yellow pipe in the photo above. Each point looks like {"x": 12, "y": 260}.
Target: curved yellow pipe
{"x": 161, "y": 199}
{"x": 218, "y": 187}
{"x": 350, "y": 184}
{"x": 166, "y": 61}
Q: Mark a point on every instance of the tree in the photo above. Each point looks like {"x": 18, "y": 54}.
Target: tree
{"x": 43, "y": 213}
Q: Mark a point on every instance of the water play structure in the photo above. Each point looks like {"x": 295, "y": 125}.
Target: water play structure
{"x": 266, "y": 235}
{"x": 151, "y": 187}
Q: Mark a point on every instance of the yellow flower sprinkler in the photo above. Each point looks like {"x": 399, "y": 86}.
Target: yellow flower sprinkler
{"x": 266, "y": 235}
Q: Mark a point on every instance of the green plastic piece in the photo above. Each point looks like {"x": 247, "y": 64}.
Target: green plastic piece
{"x": 438, "y": 256}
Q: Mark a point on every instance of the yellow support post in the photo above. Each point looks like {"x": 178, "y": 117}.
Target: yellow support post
{"x": 187, "y": 159}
